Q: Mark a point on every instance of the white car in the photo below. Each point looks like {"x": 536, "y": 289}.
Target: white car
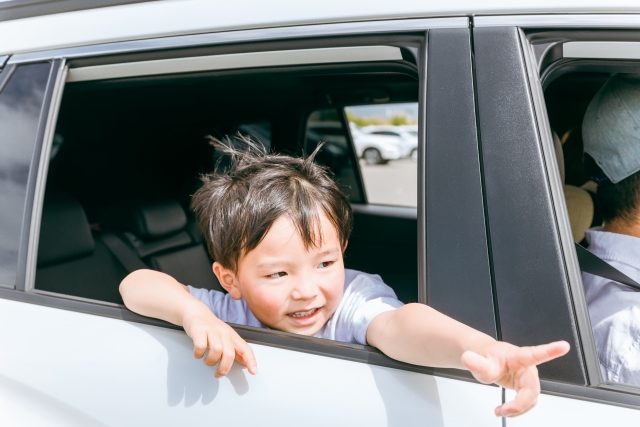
{"x": 376, "y": 149}
{"x": 104, "y": 106}
{"x": 408, "y": 137}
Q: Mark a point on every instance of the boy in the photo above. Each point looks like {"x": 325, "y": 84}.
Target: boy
{"x": 277, "y": 228}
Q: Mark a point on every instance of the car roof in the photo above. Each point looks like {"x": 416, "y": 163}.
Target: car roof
{"x": 34, "y": 25}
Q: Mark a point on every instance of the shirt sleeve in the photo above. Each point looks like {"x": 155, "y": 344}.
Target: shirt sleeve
{"x": 365, "y": 297}
{"x": 224, "y": 307}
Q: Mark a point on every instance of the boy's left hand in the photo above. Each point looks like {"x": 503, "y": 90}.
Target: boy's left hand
{"x": 514, "y": 368}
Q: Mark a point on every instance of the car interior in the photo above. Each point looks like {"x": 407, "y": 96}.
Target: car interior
{"x": 128, "y": 153}
{"x": 567, "y": 99}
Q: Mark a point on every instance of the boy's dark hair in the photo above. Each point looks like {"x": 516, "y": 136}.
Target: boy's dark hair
{"x": 621, "y": 201}
{"x": 236, "y": 208}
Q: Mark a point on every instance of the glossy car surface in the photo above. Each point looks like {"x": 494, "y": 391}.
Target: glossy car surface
{"x": 96, "y": 99}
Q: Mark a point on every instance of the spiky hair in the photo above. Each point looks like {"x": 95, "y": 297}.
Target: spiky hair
{"x": 236, "y": 207}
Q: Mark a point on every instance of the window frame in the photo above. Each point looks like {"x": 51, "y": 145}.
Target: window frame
{"x": 548, "y": 32}
{"x": 251, "y": 40}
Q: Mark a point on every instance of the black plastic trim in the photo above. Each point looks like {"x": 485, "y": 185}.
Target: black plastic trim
{"x": 492, "y": 274}
{"x": 532, "y": 286}
{"x": 353, "y": 155}
{"x": 423, "y": 284}
{"x": 459, "y": 281}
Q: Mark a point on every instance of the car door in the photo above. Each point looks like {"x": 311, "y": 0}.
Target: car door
{"x": 536, "y": 274}
{"x": 70, "y": 361}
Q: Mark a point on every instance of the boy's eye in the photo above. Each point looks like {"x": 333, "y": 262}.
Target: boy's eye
{"x": 276, "y": 275}
{"x": 325, "y": 264}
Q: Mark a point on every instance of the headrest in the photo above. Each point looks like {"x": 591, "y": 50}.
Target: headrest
{"x": 580, "y": 209}
{"x": 147, "y": 220}
{"x": 64, "y": 229}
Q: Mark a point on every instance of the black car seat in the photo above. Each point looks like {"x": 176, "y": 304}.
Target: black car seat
{"x": 159, "y": 234}
{"x": 71, "y": 260}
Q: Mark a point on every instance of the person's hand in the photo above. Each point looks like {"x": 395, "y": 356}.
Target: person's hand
{"x": 513, "y": 368}
{"x": 224, "y": 344}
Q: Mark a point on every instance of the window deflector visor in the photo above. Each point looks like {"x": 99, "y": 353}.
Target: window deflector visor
{"x": 234, "y": 61}
{"x": 601, "y": 50}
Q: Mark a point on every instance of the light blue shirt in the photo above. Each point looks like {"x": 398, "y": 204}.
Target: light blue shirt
{"x": 614, "y": 308}
{"x": 364, "y": 297}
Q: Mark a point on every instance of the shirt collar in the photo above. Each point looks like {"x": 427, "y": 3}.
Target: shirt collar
{"x": 613, "y": 246}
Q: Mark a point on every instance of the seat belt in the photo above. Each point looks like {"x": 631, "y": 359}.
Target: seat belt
{"x": 593, "y": 264}
{"x": 123, "y": 253}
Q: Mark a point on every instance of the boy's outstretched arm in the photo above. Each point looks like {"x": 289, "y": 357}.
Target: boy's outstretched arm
{"x": 418, "y": 334}
{"x": 154, "y": 294}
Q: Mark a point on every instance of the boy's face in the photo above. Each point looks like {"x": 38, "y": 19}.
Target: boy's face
{"x": 286, "y": 286}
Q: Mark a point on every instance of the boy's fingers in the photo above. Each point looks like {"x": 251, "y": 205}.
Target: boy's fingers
{"x": 530, "y": 356}
{"x": 215, "y": 351}
{"x": 199, "y": 346}
{"x": 226, "y": 361}
{"x": 483, "y": 369}
{"x": 246, "y": 356}
{"x": 525, "y": 399}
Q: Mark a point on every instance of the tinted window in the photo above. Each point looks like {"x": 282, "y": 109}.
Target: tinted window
{"x": 20, "y": 105}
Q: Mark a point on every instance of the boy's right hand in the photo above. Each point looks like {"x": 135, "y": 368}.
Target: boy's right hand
{"x": 224, "y": 344}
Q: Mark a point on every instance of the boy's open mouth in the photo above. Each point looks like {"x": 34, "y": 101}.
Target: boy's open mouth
{"x": 307, "y": 313}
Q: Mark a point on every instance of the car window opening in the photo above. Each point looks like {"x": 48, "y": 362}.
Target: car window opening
{"x": 127, "y": 155}
{"x": 591, "y": 199}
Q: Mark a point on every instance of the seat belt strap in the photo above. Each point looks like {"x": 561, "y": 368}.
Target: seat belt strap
{"x": 123, "y": 253}
{"x": 592, "y": 264}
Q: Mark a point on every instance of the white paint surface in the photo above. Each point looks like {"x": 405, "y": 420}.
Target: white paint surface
{"x": 176, "y": 17}
{"x": 560, "y": 411}
{"x": 62, "y": 368}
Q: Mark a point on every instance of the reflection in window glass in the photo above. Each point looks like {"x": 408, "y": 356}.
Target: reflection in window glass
{"x": 20, "y": 105}
{"x": 386, "y": 141}
{"x": 326, "y": 125}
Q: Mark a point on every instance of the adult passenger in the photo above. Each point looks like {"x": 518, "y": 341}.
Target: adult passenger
{"x": 611, "y": 134}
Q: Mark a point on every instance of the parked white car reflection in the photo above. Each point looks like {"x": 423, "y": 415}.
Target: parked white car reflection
{"x": 407, "y": 136}
{"x": 376, "y": 149}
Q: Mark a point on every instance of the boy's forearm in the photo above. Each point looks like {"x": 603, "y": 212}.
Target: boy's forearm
{"x": 154, "y": 294}
{"x": 418, "y": 334}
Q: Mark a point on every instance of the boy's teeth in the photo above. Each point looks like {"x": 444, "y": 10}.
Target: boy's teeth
{"x": 303, "y": 313}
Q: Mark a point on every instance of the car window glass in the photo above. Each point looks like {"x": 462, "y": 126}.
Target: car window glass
{"x": 386, "y": 142}
{"x": 571, "y": 102}
{"x": 327, "y": 126}
{"x": 20, "y": 105}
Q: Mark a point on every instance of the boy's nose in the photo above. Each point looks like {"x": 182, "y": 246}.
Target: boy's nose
{"x": 304, "y": 290}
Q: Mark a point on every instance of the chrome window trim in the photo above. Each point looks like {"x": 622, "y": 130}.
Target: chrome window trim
{"x": 560, "y": 20}
{"x": 405, "y": 212}
{"x": 574, "y": 274}
{"x": 294, "y": 57}
{"x": 601, "y": 49}
{"x": 278, "y": 33}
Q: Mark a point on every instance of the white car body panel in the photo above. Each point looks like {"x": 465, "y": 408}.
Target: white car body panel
{"x": 178, "y": 17}
{"x": 561, "y": 411}
{"x": 75, "y": 369}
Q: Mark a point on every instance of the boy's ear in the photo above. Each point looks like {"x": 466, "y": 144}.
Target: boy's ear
{"x": 227, "y": 280}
